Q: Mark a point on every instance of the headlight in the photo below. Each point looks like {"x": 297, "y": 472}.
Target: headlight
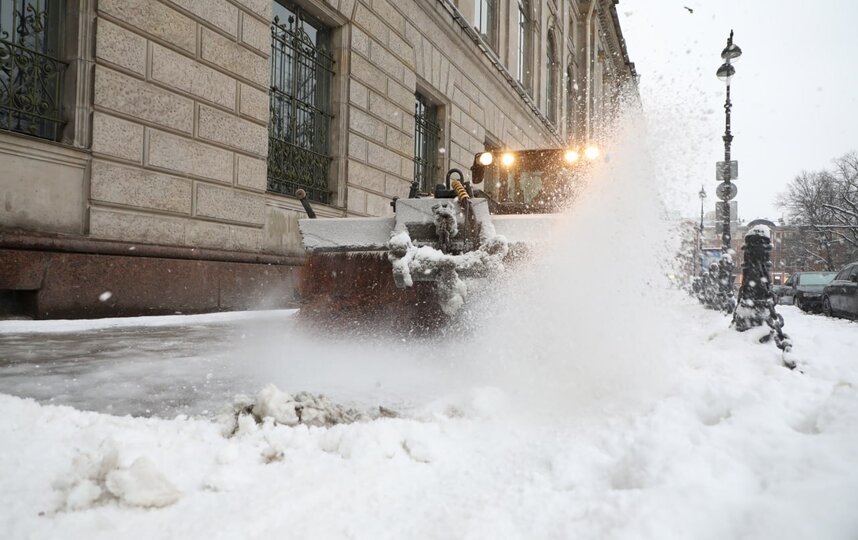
{"x": 592, "y": 152}
{"x": 508, "y": 159}
{"x": 486, "y": 158}
{"x": 571, "y": 156}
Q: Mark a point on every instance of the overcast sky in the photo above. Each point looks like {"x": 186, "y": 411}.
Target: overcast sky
{"x": 795, "y": 93}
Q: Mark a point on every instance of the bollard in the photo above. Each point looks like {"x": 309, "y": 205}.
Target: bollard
{"x": 756, "y": 302}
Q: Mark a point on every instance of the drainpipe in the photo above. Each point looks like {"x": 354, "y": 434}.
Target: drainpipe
{"x": 589, "y": 67}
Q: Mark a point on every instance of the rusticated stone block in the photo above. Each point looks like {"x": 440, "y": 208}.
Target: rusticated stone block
{"x": 402, "y": 49}
{"x": 182, "y": 155}
{"x": 389, "y": 15}
{"x": 367, "y": 125}
{"x": 121, "y": 47}
{"x": 254, "y": 103}
{"x": 384, "y": 158}
{"x": 252, "y": 172}
{"x": 234, "y": 58}
{"x": 156, "y": 19}
{"x": 136, "y": 227}
{"x": 263, "y": 8}
{"x": 401, "y": 96}
{"x": 357, "y": 146}
{"x": 382, "y": 58}
{"x": 366, "y": 177}
{"x": 357, "y": 200}
{"x": 218, "y": 13}
{"x": 384, "y": 108}
{"x": 140, "y": 188}
{"x": 368, "y": 73}
{"x": 206, "y": 234}
{"x": 256, "y": 34}
{"x": 117, "y": 137}
{"x": 227, "y": 204}
{"x": 127, "y": 95}
{"x": 370, "y": 22}
{"x": 245, "y": 238}
{"x": 280, "y": 234}
{"x": 399, "y": 141}
{"x": 377, "y": 205}
{"x": 188, "y": 75}
{"x": 359, "y": 94}
{"x": 232, "y": 131}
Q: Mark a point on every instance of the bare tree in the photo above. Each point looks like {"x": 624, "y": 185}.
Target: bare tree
{"x": 824, "y": 206}
{"x": 844, "y": 202}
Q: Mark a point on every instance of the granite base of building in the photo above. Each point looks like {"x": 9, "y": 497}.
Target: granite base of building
{"x": 50, "y": 277}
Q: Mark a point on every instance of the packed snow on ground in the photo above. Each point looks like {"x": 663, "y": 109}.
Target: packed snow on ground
{"x": 588, "y": 400}
{"x": 734, "y": 446}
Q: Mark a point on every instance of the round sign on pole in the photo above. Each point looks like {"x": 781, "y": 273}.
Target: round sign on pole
{"x": 726, "y": 192}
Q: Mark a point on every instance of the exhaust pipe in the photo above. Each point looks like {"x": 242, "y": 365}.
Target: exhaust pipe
{"x": 302, "y": 196}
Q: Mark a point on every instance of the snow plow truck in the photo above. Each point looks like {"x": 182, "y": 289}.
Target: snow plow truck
{"x": 409, "y": 272}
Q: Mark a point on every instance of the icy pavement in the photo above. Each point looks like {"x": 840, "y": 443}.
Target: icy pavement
{"x": 194, "y": 365}
{"x": 736, "y": 446}
{"x": 141, "y": 366}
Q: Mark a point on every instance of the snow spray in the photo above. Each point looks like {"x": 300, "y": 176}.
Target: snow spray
{"x": 588, "y": 321}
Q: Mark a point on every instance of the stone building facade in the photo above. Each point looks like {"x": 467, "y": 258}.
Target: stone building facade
{"x": 153, "y": 148}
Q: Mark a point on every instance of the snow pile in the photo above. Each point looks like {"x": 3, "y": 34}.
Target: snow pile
{"x": 738, "y": 447}
{"x": 97, "y": 478}
{"x": 303, "y": 408}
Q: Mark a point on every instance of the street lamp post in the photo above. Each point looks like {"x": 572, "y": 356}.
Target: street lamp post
{"x": 727, "y": 171}
{"x": 702, "y": 196}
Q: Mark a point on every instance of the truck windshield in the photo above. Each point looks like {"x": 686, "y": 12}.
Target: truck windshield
{"x": 534, "y": 179}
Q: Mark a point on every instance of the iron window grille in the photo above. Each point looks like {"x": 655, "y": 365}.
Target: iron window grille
{"x": 301, "y": 78}
{"x": 426, "y": 135}
{"x": 31, "y": 72}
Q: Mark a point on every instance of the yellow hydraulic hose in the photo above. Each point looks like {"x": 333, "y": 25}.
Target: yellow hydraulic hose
{"x": 461, "y": 192}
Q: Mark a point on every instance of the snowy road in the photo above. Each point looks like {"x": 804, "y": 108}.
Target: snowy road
{"x": 732, "y": 445}
{"x": 195, "y": 365}
{"x": 140, "y": 366}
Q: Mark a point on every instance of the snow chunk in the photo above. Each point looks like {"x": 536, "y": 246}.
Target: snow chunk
{"x": 280, "y": 407}
{"x": 142, "y": 485}
{"x": 277, "y": 405}
{"x": 96, "y": 478}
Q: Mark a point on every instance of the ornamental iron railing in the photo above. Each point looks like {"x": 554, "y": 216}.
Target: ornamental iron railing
{"x": 426, "y": 135}
{"x": 299, "y": 128}
{"x": 31, "y": 73}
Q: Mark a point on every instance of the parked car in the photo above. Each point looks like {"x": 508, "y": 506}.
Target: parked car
{"x": 804, "y": 290}
{"x": 840, "y": 297}
{"x": 778, "y": 292}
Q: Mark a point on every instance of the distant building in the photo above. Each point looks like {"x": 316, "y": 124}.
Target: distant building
{"x": 152, "y": 148}
{"x": 795, "y": 248}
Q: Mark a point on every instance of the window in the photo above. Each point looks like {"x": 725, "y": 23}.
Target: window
{"x": 426, "y": 134}
{"x": 552, "y": 86}
{"x": 573, "y": 31}
{"x": 31, "y": 72}
{"x": 571, "y": 93}
{"x": 525, "y": 43}
{"x": 300, "y": 96}
{"x": 487, "y": 21}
